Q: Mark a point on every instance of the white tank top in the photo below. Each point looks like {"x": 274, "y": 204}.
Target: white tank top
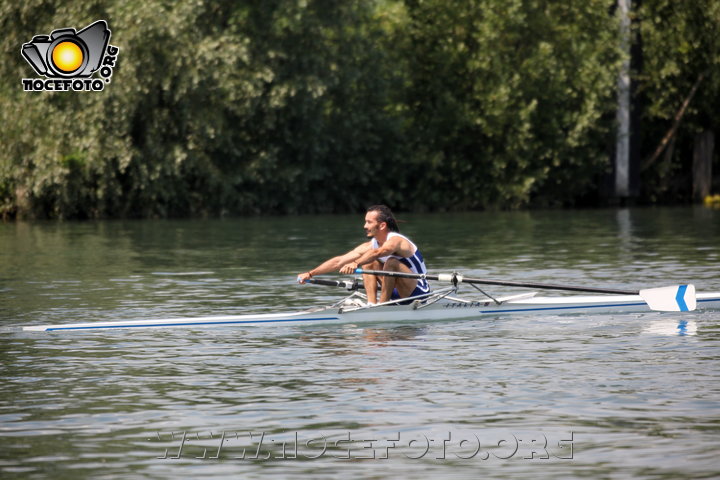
{"x": 415, "y": 262}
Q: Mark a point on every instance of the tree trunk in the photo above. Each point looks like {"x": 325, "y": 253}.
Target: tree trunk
{"x": 622, "y": 143}
{"x": 702, "y": 164}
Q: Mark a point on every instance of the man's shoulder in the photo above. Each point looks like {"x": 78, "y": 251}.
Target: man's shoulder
{"x": 398, "y": 237}
{"x": 401, "y": 244}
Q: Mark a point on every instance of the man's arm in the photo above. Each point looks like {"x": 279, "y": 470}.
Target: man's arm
{"x": 393, "y": 246}
{"x": 335, "y": 263}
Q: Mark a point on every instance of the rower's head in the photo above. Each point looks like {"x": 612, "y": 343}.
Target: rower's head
{"x": 378, "y": 219}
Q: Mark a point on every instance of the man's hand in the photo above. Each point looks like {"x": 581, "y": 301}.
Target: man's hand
{"x": 349, "y": 268}
{"x": 303, "y": 277}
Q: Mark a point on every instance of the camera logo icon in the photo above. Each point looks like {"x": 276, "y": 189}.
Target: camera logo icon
{"x": 67, "y": 54}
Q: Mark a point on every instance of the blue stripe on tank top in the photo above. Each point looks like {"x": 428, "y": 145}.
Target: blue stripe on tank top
{"x": 423, "y": 283}
{"x": 417, "y": 261}
{"x": 412, "y": 262}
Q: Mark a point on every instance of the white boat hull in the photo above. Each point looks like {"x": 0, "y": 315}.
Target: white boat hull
{"x": 447, "y": 308}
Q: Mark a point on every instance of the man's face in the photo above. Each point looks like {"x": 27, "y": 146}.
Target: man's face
{"x": 372, "y": 226}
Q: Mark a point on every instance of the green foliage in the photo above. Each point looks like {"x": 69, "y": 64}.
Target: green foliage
{"x": 681, "y": 43}
{"x": 294, "y": 106}
{"x": 214, "y": 107}
{"x": 511, "y": 99}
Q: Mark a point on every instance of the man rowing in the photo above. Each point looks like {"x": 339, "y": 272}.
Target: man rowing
{"x": 386, "y": 250}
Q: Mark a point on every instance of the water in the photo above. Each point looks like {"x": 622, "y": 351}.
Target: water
{"x": 598, "y": 396}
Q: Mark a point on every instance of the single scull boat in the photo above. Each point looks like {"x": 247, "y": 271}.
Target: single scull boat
{"x": 443, "y": 304}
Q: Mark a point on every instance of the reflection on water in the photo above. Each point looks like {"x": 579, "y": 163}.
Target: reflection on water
{"x": 672, "y": 327}
{"x": 635, "y": 395}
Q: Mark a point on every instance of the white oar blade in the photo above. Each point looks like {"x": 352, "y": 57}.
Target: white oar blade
{"x": 678, "y": 298}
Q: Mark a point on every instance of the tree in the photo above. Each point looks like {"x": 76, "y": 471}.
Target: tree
{"x": 264, "y": 106}
{"x": 511, "y": 100}
{"x": 681, "y": 54}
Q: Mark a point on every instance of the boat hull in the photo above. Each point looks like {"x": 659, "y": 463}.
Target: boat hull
{"x": 444, "y": 309}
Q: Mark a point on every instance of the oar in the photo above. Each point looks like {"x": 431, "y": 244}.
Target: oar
{"x": 676, "y": 298}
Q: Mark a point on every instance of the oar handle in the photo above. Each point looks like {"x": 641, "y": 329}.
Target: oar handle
{"x": 354, "y": 285}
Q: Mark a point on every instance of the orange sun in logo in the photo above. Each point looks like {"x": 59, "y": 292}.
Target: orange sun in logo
{"x": 67, "y": 56}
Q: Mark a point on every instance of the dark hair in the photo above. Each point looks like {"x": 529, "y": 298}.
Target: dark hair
{"x": 385, "y": 215}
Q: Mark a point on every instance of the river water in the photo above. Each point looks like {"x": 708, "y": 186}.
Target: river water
{"x": 596, "y": 396}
